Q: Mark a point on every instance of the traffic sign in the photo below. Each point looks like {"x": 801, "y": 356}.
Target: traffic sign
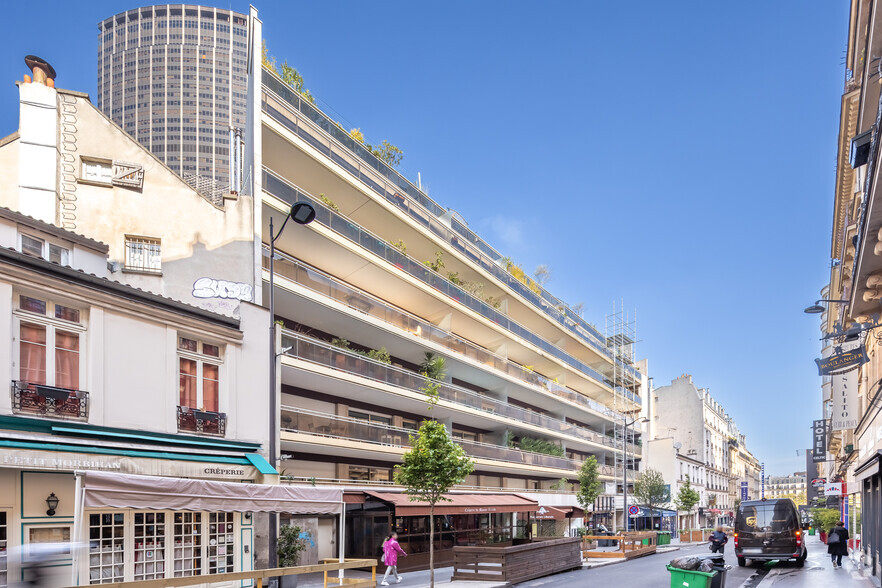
{"x": 633, "y": 510}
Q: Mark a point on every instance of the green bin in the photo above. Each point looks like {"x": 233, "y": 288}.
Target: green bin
{"x": 812, "y": 531}
{"x": 664, "y": 538}
{"x": 690, "y": 578}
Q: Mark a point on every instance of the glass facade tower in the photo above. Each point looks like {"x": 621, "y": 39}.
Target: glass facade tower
{"x": 175, "y": 77}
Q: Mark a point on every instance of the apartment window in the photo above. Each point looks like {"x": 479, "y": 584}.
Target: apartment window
{"x": 369, "y": 474}
{"x": 199, "y": 374}
{"x": 464, "y": 435}
{"x": 49, "y": 343}
{"x": 41, "y": 248}
{"x": 143, "y": 254}
{"x": 371, "y": 417}
{"x": 410, "y": 425}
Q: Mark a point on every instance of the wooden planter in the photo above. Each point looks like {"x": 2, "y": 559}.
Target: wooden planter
{"x": 517, "y": 563}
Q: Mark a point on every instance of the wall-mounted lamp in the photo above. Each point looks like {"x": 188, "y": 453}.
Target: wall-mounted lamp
{"x": 52, "y": 503}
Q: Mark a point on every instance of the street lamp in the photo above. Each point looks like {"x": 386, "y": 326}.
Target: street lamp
{"x": 816, "y": 308}
{"x": 625, "y": 470}
{"x": 303, "y": 213}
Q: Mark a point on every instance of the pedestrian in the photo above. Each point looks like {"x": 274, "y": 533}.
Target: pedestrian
{"x": 391, "y": 549}
{"x": 718, "y": 540}
{"x": 837, "y": 544}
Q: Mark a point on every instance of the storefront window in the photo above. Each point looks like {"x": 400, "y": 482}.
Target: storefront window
{"x": 149, "y": 545}
{"x": 220, "y": 542}
{"x": 188, "y": 544}
{"x": 106, "y": 548}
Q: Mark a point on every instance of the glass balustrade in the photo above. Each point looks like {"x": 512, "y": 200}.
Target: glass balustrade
{"x": 321, "y": 283}
{"x": 326, "y": 425}
{"x": 325, "y": 354}
{"x": 281, "y": 102}
{"x": 286, "y": 191}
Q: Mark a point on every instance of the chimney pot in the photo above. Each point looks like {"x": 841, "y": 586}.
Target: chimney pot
{"x": 41, "y": 69}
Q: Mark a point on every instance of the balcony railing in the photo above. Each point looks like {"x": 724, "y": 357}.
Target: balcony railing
{"x": 389, "y": 484}
{"x": 395, "y": 188}
{"x": 321, "y": 283}
{"x": 326, "y": 425}
{"x": 322, "y": 353}
{"x": 201, "y": 421}
{"x": 344, "y": 227}
{"x": 49, "y": 401}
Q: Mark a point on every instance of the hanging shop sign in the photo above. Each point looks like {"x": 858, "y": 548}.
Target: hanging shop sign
{"x": 819, "y": 433}
{"x": 743, "y": 490}
{"x": 844, "y": 360}
{"x": 845, "y": 401}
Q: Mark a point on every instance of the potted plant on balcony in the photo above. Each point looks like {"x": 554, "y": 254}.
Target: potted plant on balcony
{"x": 292, "y": 542}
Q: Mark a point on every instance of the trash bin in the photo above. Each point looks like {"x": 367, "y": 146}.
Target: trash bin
{"x": 607, "y": 542}
{"x": 664, "y": 538}
{"x": 719, "y": 563}
{"x": 812, "y": 531}
{"x": 691, "y": 578}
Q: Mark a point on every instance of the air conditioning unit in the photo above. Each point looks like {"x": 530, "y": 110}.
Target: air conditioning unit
{"x": 692, "y": 452}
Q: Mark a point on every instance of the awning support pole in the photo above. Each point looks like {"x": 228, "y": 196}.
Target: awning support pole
{"x": 341, "y": 540}
{"x": 77, "y": 528}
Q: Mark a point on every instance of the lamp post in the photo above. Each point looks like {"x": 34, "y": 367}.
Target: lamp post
{"x": 625, "y": 514}
{"x": 816, "y": 308}
{"x": 303, "y": 213}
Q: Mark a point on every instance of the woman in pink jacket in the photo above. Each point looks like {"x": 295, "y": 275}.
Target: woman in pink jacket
{"x": 391, "y": 549}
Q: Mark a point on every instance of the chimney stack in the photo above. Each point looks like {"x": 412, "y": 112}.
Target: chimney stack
{"x": 38, "y": 140}
{"x": 43, "y": 72}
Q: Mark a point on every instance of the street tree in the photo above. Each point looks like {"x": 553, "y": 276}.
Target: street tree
{"x": 589, "y": 483}
{"x": 686, "y": 498}
{"x": 433, "y": 465}
{"x": 651, "y": 490}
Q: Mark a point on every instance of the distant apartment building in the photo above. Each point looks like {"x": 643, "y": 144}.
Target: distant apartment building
{"x": 175, "y": 77}
{"x": 703, "y": 431}
{"x": 790, "y": 485}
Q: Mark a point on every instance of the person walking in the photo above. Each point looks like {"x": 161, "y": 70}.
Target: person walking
{"x": 837, "y": 544}
{"x": 718, "y": 540}
{"x": 391, "y": 549}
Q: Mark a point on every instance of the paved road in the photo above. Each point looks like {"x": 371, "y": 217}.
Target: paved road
{"x": 650, "y": 572}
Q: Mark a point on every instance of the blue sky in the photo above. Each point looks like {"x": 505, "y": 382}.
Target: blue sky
{"x": 677, "y": 156}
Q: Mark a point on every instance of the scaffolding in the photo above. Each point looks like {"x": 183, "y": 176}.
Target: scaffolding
{"x": 621, "y": 340}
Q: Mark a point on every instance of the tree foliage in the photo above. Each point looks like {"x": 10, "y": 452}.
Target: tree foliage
{"x": 433, "y": 368}
{"x": 824, "y": 518}
{"x": 291, "y": 543}
{"x": 651, "y": 490}
{"x": 542, "y": 274}
{"x": 686, "y": 498}
{"x": 589, "y": 483}
{"x": 433, "y": 465}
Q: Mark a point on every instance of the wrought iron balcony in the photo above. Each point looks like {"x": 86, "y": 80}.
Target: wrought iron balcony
{"x": 49, "y": 401}
{"x": 201, "y": 421}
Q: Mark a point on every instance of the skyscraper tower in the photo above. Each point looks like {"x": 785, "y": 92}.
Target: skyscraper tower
{"x": 175, "y": 77}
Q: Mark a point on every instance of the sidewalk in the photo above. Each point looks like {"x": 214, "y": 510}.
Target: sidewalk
{"x": 408, "y": 580}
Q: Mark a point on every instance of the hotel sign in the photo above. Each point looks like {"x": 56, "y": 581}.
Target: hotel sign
{"x": 842, "y": 362}
{"x": 819, "y": 433}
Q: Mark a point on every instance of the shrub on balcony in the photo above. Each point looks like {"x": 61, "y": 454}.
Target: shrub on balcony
{"x": 536, "y": 445}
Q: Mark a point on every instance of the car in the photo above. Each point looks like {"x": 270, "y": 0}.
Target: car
{"x": 769, "y": 530}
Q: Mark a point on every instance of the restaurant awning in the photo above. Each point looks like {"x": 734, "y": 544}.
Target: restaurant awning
{"x": 558, "y": 513}
{"x": 111, "y": 490}
{"x": 457, "y": 504}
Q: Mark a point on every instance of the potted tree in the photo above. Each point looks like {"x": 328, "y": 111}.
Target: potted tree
{"x": 292, "y": 541}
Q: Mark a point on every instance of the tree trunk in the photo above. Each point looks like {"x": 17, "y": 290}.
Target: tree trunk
{"x": 432, "y": 545}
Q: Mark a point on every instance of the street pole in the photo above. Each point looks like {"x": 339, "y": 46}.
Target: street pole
{"x": 273, "y": 432}
{"x": 303, "y": 213}
{"x": 625, "y": 478}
